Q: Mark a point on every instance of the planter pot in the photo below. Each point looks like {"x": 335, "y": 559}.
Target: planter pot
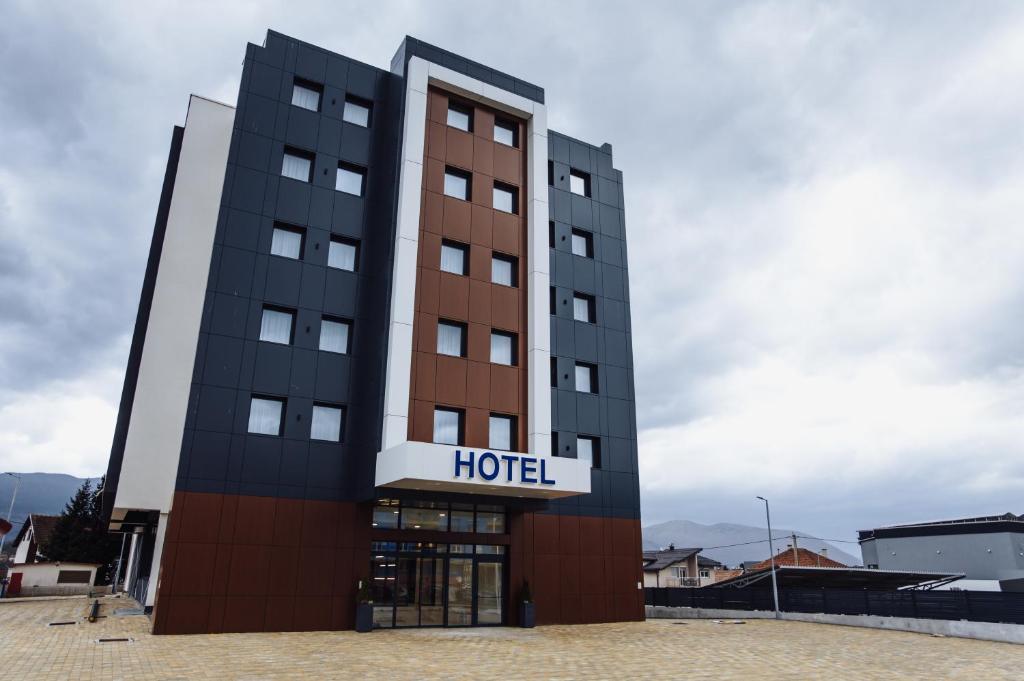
{"x": 526, "y": 617}
{"x": 364, "y": 617}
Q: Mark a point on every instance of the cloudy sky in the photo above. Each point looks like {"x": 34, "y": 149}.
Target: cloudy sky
{"x": 825, "y": 207}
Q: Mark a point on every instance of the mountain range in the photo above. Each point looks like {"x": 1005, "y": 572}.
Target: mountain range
{"x": 734, "y": 543}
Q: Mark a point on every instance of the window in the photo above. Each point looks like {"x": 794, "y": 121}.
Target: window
{"x": 589, "y": 449}
{"x": 447, "y": 426}
{"x": 705, "y": 574}
{"x": 582, "y": 243}
{"x": 505, "y": 132}
{"x": 506, "y": 198}
{"x": 276, "y": 326}
{"x": 460, "y": 116}
{"x": 342, "y": 254}
{"x": 297, "y": 165}
{"x": 552, "y": 301}
{"x": 306, "y": 95}
{"x": 503, "y": 270}
{"x": 579, "y": 182}
{"x": 454, "y": 257}
{"x": 551, "y": 173}
{"x": 554, "y": 443}
{"x": 551, "y": 233}
{"x": 326, "y": 423}
{"x": 286, "y": 242}
{"x": 501, "y": 433}
{"x": 451, "y": 339}
{"x": 351, "y": 179}
{"x": 503, "y": 348}
{"x": 357, "y": 112}
{"x": 679, "y": 572}
{"x": 586, "y": 378}
{"x": 490, "y": 519}
{"x": 456, "y": 184}
{"x": 265, "y": 415}
{"x": 334, "y": 335}
{"x": 73, "y": 576}
{"x": 583, "y": 308}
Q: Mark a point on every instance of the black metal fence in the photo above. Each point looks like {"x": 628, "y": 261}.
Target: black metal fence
{"x": 977, "y": 606}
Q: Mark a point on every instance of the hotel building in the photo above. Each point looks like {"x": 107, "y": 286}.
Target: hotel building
{"x": 383, "y": 336}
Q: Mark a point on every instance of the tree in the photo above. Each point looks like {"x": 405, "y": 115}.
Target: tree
{"x": 80, "y": 535}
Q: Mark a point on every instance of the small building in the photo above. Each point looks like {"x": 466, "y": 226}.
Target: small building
{"x": 52, "y": 579}
{"x": 987, "y": 550}
{"x": 796, "y": 557}
{"x": 34, "y": 533}
{"x": 671, "y": 567}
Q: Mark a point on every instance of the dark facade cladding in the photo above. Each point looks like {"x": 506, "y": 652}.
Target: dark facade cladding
{"x": 272, "y": 532}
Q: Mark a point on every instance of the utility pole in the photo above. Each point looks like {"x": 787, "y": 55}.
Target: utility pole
{"x": 796, "y": 552}
{"x": 771, "y": 556}
{"x": 10, "y": 511}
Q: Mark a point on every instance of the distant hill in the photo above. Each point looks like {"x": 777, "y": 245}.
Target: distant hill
{"x": 38, "y": 493}
{"x": 684, "y": 533}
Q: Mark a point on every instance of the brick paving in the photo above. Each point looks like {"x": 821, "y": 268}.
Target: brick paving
{"x": 657, "y": 649}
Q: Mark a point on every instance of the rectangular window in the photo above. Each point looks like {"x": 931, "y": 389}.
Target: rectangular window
{"x": 276, "y": 326}
{"x": 551, "y": 173}
{"x": 582, "y": 243}
{"x": 579, "y": 182}
{"x": 326, "y": 423}
{"x": 287, "y": 242}
{"x": 428, "y": 517}
{"x": 447, "y": 426}
{"x": 460, "y": 116}
{"x": 357, "y": 112}
{"x": 554, "y": 443}
{"x": 705, "y": 574}
{"x": 503, "y": 348}
{"x": 586, "y": 378}
{"x": 551, "y": 233}
{"x": 73, "y": 576}
{"x": 265, "y": 415}
{"x": 457, "y": 184}
{"x": 552, "y": 301}
{"x": 306, "y": 95}
{"x": 490, "y": 520}
{"x": 503, "y": 270}
{"x": 589, "y": 449}
{"x": 334, "y": 335}
{"x": 506, "y": 198}
{"x": 554, "y": 372}
{"x": 583, "y": 308}
{"x": 454, "y": 257}
{"x": 343, "y": 254}
{"x": 505, "y": 132}
{"x": 501, "y": 433}
{"x": 297, "y": 165}
{"x": 451, "y": 339}
{"x": 350, "y": 179}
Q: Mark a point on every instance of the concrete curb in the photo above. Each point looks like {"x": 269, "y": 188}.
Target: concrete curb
{"x": 984, "y": 631}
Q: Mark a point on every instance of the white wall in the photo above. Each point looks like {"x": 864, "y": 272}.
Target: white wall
{"x": 45, "y": 574}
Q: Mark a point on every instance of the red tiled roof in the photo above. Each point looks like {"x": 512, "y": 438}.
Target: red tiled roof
{"x": 807, "y": 558}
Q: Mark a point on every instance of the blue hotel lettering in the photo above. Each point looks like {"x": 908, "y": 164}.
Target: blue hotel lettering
{"x": 489, "y": 466}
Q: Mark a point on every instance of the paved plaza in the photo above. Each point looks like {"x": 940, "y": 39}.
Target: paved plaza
{"x": 657, "y": 649}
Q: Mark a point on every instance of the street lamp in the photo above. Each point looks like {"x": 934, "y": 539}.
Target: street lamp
{"x": 771, "y": 556}
{"x": 10, "y": 511}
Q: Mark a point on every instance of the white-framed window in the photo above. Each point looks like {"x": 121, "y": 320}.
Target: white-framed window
{"x": 334, "y": 335}
{"x": 265, "y": 415}
{"x": 503, "y": 270}
{"x": 678, "y": 572}
{"x": 286, "y": 242}
{"x": 453, "y": 257}
{"x": 447, "y": 426}
{"x": 705, "y": 574}
{"x": 460, "y": 116}
{"x": 505, "y": 198}
{"x": 583, "y": 308}
{"x": 326, "y": 424}
{"x": 505, "y": 133}
{"x": 456, "y": 184}
{"x": 297, "y": 165}
{"x": 357, "y": 112}
{"x": 276, "y": 326}
{"x": 588, "y": 449}
{"x": 579, "y": 182}
{"x": 342, "y": 254}
{"x": 306, "y": 95}
{"x": 502, "y": 348}
{"x": 586, "y": 378}
{"x": 500, "y": 433}
{"x": 350, "y": 179}
{"x": 582, "y": 244}
{"x": 451, "y": 339}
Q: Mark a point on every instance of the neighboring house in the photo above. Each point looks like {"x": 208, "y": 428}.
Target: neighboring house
{"x": 987, "y": 550}
{"x": 672, "y": 567}
{"x": 34, "y": 533}
{"x": 796, "y": 557}
{"x": 52, "y": 579}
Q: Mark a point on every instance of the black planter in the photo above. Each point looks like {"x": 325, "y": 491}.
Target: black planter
{"x": 526, "y": 617}
{"x": 364, "y": 617}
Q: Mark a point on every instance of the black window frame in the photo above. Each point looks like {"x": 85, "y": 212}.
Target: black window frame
{"x": 348, "y": 339}
{"x": 511, "y": 126}
{"x": 301, "y": 153}
{"x": 595, "y": 448}
{"x": 283, "y": 401}
{"x": 279, "y": 308}
{"x": 591, "y": 307}
{"x": 355, "y": 243}
{"x": 592, "y": 370}
{"x": 464, "y": 174}
{"x": 464, "y": 247}
{"x": 463, "y": 340}
{"x": 588, "y": 238}
{"x": 514, "y": 343}
{"x": 461, "y": 439}
{"x": 353, "y": 168}
{"x": 360, "y": 101}
{"x": 511, "y": 189}
{"x": 513, "y": 433}
{"x": 585, "y": 176}
{"x": 341, "y": 422}
{"x": 513, "y": 261}
{"x": 316, "y": 87}
{"x": 463, "y": 108}
{"x": 294, "y": 229}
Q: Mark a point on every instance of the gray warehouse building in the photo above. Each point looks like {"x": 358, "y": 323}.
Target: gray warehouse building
{"x": 988, "y": 550}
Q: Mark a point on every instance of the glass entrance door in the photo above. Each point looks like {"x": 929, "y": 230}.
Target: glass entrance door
{"x": 419, "y": 592}
{"x": 489, "y": 593}
{"x": 460, "y": 592}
